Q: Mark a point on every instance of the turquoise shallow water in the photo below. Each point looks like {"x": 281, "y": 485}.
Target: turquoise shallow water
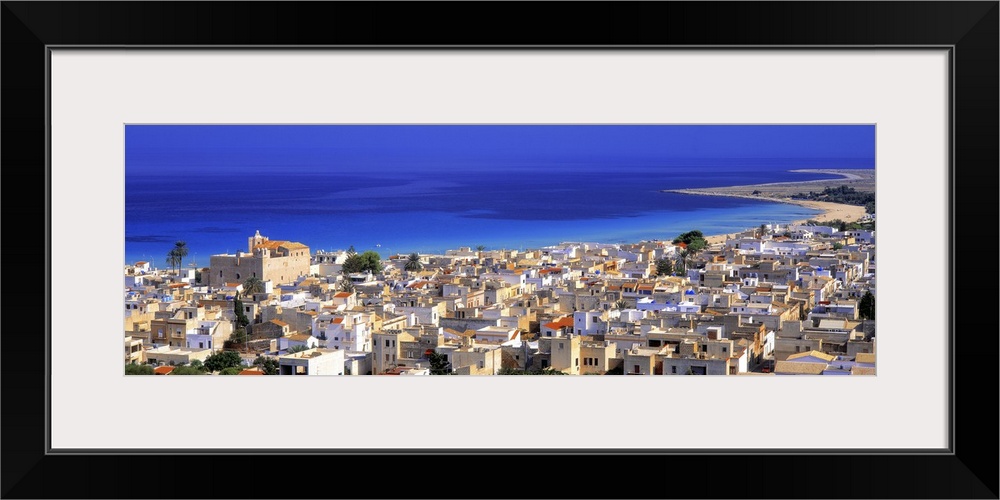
{"x": 431, "y": 213}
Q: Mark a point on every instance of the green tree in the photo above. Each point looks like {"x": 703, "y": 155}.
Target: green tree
{"x": 866, "y": 307}
{"x": 664, "y": 267}
{"x": 268, "y": 365}
{"x": 359, "y": 263}
{"x": 230, "y": 371}
{"x": 222, "y": 360}
{"x": 694, "y": 241}
{"x": 173, "y": 260}
{"x": 241, "y": 318}
{"x": 237, "y": 338}
{"x": 351, "y": 251}
{"x": 297, "y": 348}
{"x": 134, "y": 369}
{"x": 252, "y": 285}
{"x": 838, "y": 245}
{"x": 682, "y": 262}
{"x": 187, "y": 370}
{"x": 413, "y": 262}
{"x": 176, "y": 255}
{"x": 439, "y": 364}
{"x": 346, "y": 285}
{"x": 372, "y": 261}
{"x": 548, "y": 371}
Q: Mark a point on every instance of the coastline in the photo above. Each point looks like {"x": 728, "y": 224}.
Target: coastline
{"x": 777, "y": 192}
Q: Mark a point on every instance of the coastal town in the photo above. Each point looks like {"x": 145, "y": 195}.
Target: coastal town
{"x": 774, "y": 299}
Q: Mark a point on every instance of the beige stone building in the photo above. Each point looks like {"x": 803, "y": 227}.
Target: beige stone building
{"x": 598, "y": 357}
{"x": 269, "y": 260}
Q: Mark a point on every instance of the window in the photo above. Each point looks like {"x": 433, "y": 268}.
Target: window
{"x": 576, "y": 361}
{"x": 387, "y": 342}
{"x": 560, "y": 346}
{"x": 673, "y": 369}
{"x": 201, "y": 345}
{"x": 635, "y": 369}
{"x": 237, "y": 275}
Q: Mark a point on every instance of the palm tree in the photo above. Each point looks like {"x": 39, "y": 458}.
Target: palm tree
{"x": 621, "y": 304}
{"x": 252, "y": 285}
{"x": 346, "y": 285}
{"x": 413, "y": 262}
{"x": 480, "y": 249}
{"x": 172, "y": 259}
{"x": 176, "y": 255}
{"x": 683, "y": 261}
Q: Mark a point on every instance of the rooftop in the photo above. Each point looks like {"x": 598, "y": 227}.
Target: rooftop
{"x": 791, "y": 367}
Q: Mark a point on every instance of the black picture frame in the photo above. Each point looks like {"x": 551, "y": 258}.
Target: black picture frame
{"x": 970, "y": 28}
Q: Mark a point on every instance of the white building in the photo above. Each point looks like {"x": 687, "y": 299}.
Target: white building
{"x": 312, "y": 362}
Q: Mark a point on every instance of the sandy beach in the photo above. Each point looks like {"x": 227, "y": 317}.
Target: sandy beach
{"x": 780, "y": 192}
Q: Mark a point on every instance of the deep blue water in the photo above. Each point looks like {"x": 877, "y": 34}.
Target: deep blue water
{"x": 431, "y": 210}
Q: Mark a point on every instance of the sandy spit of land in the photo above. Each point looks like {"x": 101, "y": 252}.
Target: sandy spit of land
{"x": 781, "y": 192}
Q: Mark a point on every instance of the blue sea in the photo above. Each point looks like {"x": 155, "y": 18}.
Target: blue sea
{"x": 396, "y": 211}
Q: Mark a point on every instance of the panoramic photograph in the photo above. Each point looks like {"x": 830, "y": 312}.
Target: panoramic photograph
{"x": 499, "y": 250}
